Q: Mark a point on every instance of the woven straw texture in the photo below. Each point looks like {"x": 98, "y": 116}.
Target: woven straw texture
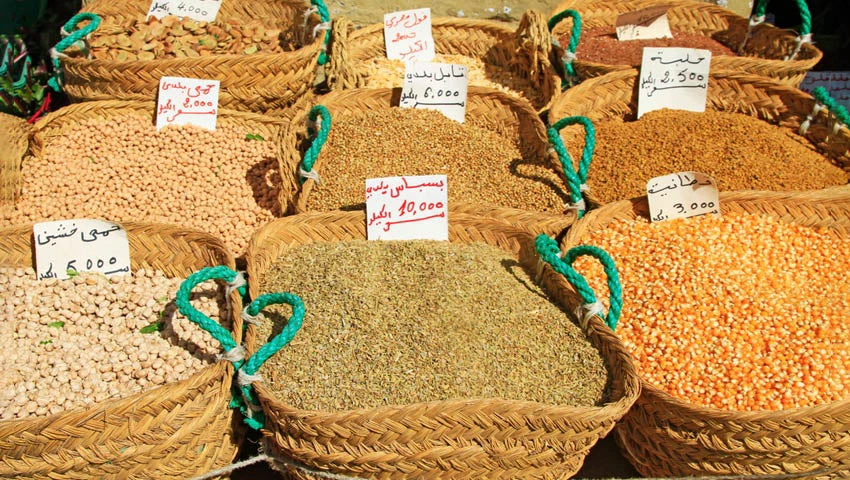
{"x": 763, "y": 54}
{"x": 524, "y": 51}
{"x": 663, "y": 436}
{"x": 14, "y": 139}
{"x": 261, "y": 82}
{"x": 174, "y": 431}
{"x": 480, "y": 438}
{"x": 492, "y": 109}
{"x": 614, "y": 96}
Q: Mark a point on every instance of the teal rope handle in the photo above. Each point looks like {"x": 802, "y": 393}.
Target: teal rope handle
{"x": 549, "y": 252}
{"x": 321, "y": 137}
{"x": 185, "y": 307}
{"x": 805, "y": 15}
{"x": 570, "y": 50}
{"x": 252, "y": 413}
{"x": 73, "y": 37}
{"x": 823, "y": 96}
{"x": 325, "y": 16}
{"x": 576, "y": 180}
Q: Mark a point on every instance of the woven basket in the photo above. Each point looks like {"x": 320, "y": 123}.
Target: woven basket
{"x": 491, "y": 109}
{"x": 14, "y": 139}
{"x": 442, "y": 439}
{"x": 663, "y": 436}
{"x": 261, "y": 82}
{"x": 614, "y": 96}
{"x": 763, "y": 54}
{"x": 174, "y": 431}
{"x": 524, "y": 52}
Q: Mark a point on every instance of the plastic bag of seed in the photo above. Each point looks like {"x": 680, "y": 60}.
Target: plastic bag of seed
{"x": 737, "y": 43}
{"x": 265, "y": 54}
{"x": 414, "y": 355}
{"x": 738, "y": 327}
{"x": 102, "y": 377}
{"x": 756, "y": 134}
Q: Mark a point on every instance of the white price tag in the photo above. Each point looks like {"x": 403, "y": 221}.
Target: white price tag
{"x": 407, "y": 35}
{"x": 80, "y": 245}
{"x": 183, "y": 101}
{"x": 407, "y": 208}
{"x": 673, "y": 78}
{"x": 643, "y": 24}
{"x": 436, "y": 86}
{"x": 201, "y": 10}
{"x": 682, "y": 195}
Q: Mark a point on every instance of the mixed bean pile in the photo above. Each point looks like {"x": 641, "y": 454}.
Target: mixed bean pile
{"x": 68, "y": 343}
{"x": 393, "y": 323}
{"x": 740, "y": 312}
{"x": 739, "y": 151}
{"x": 481, "y": 165}
{"x": 122, "y": 168}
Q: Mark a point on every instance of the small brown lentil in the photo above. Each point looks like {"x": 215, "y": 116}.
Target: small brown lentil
{"x": 402, "y": 322}
{"x": 739, "y": 151}
{"x": 481, "y": 165}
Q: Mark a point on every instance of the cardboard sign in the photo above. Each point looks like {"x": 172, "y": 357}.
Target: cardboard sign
{"x": 436, "y": 86}
{"x": 682, "y": 195}
{"x": 201, "y": 10}
{"x": 183, "y": 101}
{"x": 407, "y": 35}
{"x": 837, "y": 83}
{"x": 673, "y": 78}
{"x": 644, "y": 24}
{"x": 80, "y": 245}
{"x": 407, "y": 208}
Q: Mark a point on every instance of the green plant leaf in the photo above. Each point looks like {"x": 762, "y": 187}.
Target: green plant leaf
{"x": 58, "y": 324}
{"x": 254, "y": 136}
{"x": 45, "y": 342}
{"x": 152, "y": 327}
{"x": 72, "y": 273}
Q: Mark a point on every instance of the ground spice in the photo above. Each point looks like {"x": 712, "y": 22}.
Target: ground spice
{"x": 600, "y": 45}
{"x": 741, "y": 153}
{"x": 482, "y": 165}
{"x": 402, "y": 322}
{"x": 740, "y": 312}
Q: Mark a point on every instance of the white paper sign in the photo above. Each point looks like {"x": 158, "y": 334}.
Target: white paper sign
{"x": 201, "y": 10}
{"x": 682, "y": 195}
{"x": 407, "y": 35}
{"x": 80, "y": 245}
{"x": 436, "y": 86}
{"x": 185, "y": 101}
{"x": 407, "y": 208}
{"x": 643, "y": 24}
{"x": 673, "y": 78}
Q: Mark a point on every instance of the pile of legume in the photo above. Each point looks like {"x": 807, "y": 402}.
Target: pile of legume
{"x": 401, "y": 322}
{"x": 123, "y": 169}
{"x": 600, "y": 45}
{"x": 741, "y": 152}
{"x": 740, "y": 312}
{"x": 384, "y": 73}
{"x": 69, "y": 343}
{"x": 481, "y": 165}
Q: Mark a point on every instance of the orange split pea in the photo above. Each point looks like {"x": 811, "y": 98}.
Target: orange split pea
{"x": 740, "y": 312}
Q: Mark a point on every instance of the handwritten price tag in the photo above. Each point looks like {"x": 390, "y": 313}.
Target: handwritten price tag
{"x": 407, "y": 208}
{"x": 436, "y": 86}
{"x": 407, "y": 35}
{"x": 644, "y": 24}
{"x": 80, "y": 245}
{"x": 673, "y": 78}
{"x": 185, "y": 101}
{"x": 201, "y": 10}
{"x": 682, "y": 195}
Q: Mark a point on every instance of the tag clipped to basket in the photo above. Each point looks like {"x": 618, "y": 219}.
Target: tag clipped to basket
{"x": 436, "y": 86}
{"x": 201, "y": 10}
{"x": 407, "y": 208}
{"x": 675, "y": 78}
{"x": 643, "y": 24}
{"x": 187, "y": 101}
{"x": 682, "y": 195}
{"x": 408, "y": 37}
{"x": 64, "y": 248}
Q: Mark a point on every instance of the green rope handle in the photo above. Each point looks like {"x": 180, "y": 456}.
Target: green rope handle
{"x": 823, "y": 96}
{"x": 325, "y": 16}
{"x": 73, "y": 37}
{"x": 805, "y": 15}
{"x": 549, "y": 252}
{"x": 576, "y": 180}
{"x": 570, "y": 51}
{"x": 185, "y": 307}
{"x": 252, "y": 413}
{"x": 321, "y": 137}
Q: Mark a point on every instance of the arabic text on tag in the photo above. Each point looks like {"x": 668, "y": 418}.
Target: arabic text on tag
{"x": 674, "y": 78}
{"x": 81, "y": 245}
{"x": 407, "y": 35}
{"x": 682, "y": 195}
{"x": 407, "y": 208}
{"x": 201, "y": 10}
{"x": 436, "y": 86}
{"x": 183, "y": 101}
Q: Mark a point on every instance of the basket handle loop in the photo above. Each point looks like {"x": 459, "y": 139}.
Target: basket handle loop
{"x": 306, "y": 171}
{"x": 576, "y": 180}
{"x": 805, "y": 36}
{"x": 71, "y": 37}
{"x": 325, "y": 16}
{"x": 824, "y": 100}
{"x": 549, "y": 252}
{"x": 247, "y": 373}
{"x": 570, "y": 50}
